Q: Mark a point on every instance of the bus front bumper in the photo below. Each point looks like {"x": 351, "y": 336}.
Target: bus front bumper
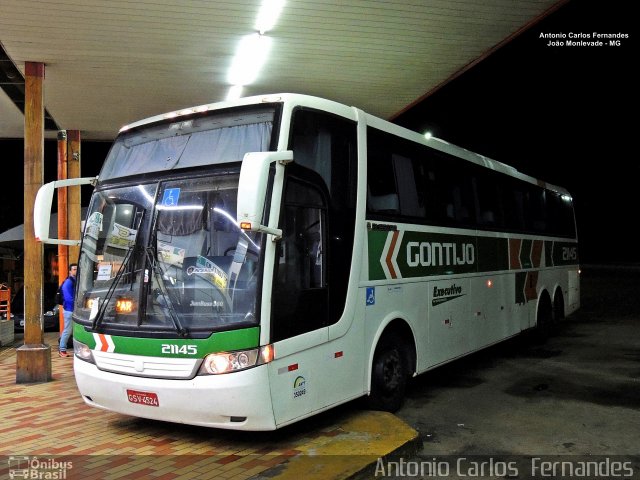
{"x": 239, "y": 401}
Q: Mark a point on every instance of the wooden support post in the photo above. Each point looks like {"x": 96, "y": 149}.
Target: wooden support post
{"x": 33, "y": 359}
{"x": 73, "y": 193}
{"x": 63, "y": 230}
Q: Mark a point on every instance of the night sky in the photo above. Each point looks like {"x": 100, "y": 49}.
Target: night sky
{"x": 563, "y": 114}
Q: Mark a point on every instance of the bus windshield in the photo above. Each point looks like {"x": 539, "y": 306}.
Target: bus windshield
{"x": 213, "y": 139}
{"x": 168, "y": 257}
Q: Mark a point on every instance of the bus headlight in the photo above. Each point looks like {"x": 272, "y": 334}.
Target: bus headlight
{"x": 82, "y": 351}
{"x": 227, "y": 362}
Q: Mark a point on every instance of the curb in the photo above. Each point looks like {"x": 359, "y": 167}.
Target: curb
{"x": 362, "y": 441}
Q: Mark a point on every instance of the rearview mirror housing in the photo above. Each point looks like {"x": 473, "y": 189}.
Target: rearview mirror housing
{"x": 252, "y": 189}
{"x": 42, "y": 208}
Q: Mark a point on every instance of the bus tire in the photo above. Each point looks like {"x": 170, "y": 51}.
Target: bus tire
{"x": 389, "y": 374}
{"x": 544, "y": 317}
{"x": 558, "y": 306}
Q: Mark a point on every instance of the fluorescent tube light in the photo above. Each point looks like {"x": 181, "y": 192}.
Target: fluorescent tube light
{"x": 251, "y": 55}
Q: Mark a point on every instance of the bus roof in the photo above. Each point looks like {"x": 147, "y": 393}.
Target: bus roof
{"x": 294, "y": 99}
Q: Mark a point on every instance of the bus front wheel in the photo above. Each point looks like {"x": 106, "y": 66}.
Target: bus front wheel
{"x": 389, "y": 375}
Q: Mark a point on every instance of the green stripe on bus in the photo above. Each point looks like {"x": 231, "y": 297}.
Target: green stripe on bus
{"x": 424, "y": 254}
{"x": 493, "y": 254}
{"x": 548, "y": 253}
{"x": 525, "y": 253}
{"x": 521, "y": 278}
{"x": 565, "y": 253}
{"x": 241, "y": 339}
{"x": 376, "y": 241}
{"x": 410, "y": 254}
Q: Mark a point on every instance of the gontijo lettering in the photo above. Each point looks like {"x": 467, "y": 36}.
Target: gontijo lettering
{"x": 429, "y": 254}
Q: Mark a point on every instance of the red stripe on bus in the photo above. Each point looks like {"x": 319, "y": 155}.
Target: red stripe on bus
{"x": 514, "y": 253}
{"x": 104, "y": 344}
{"x": 392, "y": 247}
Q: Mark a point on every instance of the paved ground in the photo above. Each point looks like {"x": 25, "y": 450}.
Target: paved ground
{"x": 577, "y": 395}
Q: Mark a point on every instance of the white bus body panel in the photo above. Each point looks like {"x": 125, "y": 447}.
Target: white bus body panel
{"x": 208, "y": 401}
{"x": 451, "y": 316}
{"x": 312, "y": 374}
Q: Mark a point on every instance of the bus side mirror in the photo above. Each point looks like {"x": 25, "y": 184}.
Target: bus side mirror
{"x": 42, "y": 208}
{"x": 252, "y": 189}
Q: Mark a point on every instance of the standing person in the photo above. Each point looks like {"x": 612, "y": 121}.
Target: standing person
{"x": 68, "y": 289}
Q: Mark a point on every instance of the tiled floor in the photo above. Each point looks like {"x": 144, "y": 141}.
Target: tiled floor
{"x": 50, "y": 422}
{"x": 50, "y": 419}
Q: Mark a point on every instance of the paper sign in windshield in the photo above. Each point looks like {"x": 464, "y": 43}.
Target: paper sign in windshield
{"x": 121, "y": 237}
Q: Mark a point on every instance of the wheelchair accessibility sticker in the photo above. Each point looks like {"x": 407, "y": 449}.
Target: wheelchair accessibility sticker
{"x": 170, "y": 197}
{"x": 371, "y": 296}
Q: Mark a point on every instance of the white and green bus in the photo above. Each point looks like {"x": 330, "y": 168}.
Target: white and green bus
{"x": 251, "y": 263}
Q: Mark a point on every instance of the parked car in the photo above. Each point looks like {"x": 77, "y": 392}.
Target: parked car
{"x": 50, "y": 317}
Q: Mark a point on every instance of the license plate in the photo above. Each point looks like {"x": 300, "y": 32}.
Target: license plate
{"x": 143, "y": 398}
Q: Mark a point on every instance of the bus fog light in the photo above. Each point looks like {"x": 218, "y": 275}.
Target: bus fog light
{"x": 226, "y": 362}
{"x": 82, "y": 351}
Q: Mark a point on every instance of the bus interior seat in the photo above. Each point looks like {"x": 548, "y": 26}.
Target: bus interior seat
{"x": 183, "y": 230}
{"x": 459, "y": 214}
{"x": 451, "y": 214}
{"x": 389, "y": 203}
{"x": 222, "y": 243}
{"x": 488, "y": 217}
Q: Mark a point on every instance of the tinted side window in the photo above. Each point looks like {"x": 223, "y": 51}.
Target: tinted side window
{"x": 299, "y": 288}
{"x": 410, "y": 182}
{"x": 325, "y": 152}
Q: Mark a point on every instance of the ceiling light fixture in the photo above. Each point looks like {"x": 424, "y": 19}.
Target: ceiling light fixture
{"x": 251, "y": 55}
{"x": 253, "y": 50}
{"x": 235, "y": 92}
{"x": 268, "y": 15}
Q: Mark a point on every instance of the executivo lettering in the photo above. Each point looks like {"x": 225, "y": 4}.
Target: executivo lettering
{"x": 441, "y": 295}
{"x": 431, "y": 254}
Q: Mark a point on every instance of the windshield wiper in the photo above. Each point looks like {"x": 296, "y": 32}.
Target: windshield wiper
{"x": 157, "y": 272}
{"x": 122, "y": 271}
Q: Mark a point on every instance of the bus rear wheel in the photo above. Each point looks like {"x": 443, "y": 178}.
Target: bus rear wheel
{"x": 544, "y": 318}
{"x": 558, "y": 307}
{"x": 389, "y": 375}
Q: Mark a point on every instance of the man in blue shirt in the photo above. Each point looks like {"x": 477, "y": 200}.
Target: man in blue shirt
{"x": 68, "y": 290}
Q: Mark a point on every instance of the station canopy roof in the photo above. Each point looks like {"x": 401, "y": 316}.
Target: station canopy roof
{"x": 111, "y": 63}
